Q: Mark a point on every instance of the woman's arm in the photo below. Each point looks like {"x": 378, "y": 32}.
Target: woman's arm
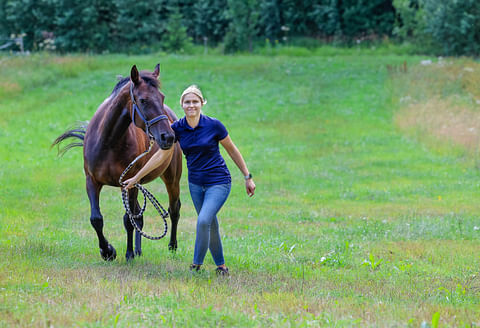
{"x": 237, "y": 157}
{"x": 158, "y": 159}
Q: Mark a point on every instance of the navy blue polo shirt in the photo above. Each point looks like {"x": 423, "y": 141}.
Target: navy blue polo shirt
{"x": 206, "y": 166}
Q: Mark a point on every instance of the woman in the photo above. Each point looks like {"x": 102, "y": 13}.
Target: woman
{"x": 208, "y": 176}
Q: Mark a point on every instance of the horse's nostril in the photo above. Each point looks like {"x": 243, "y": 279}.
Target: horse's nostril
{"x": 167, "y": 138}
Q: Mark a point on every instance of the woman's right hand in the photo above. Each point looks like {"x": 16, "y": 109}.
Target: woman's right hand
{"x": 160, "y": 159}
{"x": 129, "y": 183}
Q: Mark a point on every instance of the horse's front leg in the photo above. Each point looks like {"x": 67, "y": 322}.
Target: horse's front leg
{"x": 107, "y": 251}
{"x": 134, "y": 206}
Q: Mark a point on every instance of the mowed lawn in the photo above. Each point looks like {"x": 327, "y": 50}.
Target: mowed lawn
{"x": 353, "y": 222}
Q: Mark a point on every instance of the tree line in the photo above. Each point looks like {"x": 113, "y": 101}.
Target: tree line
{"x": 139, "y": 26}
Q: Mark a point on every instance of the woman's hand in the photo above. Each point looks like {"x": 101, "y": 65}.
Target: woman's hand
{"x": 129, "y": 183}
{"x": 160, "y": 159}
{"x": 250, "y": 186}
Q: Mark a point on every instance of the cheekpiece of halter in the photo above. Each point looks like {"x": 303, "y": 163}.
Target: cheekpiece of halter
{"x": 137, "y": 110}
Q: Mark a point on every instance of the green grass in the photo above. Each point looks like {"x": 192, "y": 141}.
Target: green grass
{"x": 353, "y": 223}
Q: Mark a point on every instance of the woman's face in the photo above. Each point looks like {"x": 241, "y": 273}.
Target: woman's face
{"x": 192, "y": 105}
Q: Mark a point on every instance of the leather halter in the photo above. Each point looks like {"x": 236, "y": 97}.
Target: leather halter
{"x": 136, "y": 109}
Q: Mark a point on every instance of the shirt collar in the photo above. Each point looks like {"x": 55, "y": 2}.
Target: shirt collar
{"x": 201, "y": 122}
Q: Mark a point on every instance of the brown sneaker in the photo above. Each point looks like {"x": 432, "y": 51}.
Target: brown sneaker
{"x": 195, "y": 267}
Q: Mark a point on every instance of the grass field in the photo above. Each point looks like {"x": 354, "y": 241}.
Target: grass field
{"x": 361, "y": 217}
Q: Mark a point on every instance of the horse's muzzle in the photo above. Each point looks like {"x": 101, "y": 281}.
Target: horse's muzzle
{"x": 165, "y": 140}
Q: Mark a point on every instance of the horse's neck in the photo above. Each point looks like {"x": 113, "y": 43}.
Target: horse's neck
{"x": 116, "y": 120}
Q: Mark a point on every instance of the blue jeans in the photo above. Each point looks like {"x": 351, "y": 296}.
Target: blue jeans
{"x": 207, "y": 201}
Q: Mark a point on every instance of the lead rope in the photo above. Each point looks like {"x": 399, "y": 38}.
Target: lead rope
{"x": 146, "y": 194}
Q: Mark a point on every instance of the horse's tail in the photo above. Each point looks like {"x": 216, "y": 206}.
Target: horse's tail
{"x": 77, "y": 133}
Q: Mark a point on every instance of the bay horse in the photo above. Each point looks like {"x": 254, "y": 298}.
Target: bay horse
{"x": 118, "y": 132}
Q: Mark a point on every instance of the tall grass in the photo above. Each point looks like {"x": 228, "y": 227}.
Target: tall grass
{"x": 354, "y": 223}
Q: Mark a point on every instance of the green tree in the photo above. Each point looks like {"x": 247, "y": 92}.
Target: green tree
{"x": 296, "y": 14}
{"x": 365, "y": 17}
{"x": 4, "y": 31}
{"x": 243, "y": 26}
{"x": 270, "y": 19}
{"x": 410, "y": 25}
{"x": 29, "y": 17}
{"x": 209, "y": 20}
{"x": 326, "y": 16}
{"x": 84, "y": 25}
{"x": 175, "y": 38}
{"x": 454, "y": 24}
{"x": 140, "y": 25}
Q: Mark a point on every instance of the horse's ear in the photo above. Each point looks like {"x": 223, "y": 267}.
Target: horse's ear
{"x": 134, "y": 76}
{"x": 156, "y": 72}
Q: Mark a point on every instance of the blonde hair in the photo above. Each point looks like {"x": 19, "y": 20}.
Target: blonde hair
{"x": 196, "y": 91}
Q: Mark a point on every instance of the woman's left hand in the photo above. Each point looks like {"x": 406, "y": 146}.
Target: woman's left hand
{"x": 250, "y": 186}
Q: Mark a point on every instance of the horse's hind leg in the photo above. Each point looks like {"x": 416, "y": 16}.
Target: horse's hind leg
{"x": 174, "y": 210}
{"x": 138, "y": 236}
{"x": 134, "y": 206}
{"x": 138, "y": 242}
{"x": 107, "y": 251}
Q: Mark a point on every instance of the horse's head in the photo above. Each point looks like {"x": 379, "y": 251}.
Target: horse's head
{"x": 148, "y": 112}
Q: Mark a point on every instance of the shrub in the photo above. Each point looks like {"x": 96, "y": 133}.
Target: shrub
{"x": 209, "y": 20}
{"x": 139, "y": 26}
{"x": 29, "y": 17}
{"x": 454, "y": 24}
{"x": 440, "y": 26}
{"x": 326, "y": 15}
{"x": 175, "y": 38}
{"x": 410, "y": 26}
{"x": 364, "y": 17}
{"x": 243, "y": 15}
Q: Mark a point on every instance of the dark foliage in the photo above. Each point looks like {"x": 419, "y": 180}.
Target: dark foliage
{"x": 138, "y": 26}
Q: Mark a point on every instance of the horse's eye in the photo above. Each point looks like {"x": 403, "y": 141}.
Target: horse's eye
{"x": 143, "y": 101}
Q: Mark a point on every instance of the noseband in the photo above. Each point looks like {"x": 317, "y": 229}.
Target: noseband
{"x": 135, "y": 108}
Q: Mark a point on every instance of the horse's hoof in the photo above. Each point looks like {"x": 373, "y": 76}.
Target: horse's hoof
{"x": 172, "y": 247}
{"x": 110, "y": 254}
{"x": 129, "y": 256}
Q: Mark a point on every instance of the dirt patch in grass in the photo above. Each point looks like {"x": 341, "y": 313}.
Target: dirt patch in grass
{"x": 439, "y": 103}
{"x": 442, "y": 119}
{"x": 9, "y": 89}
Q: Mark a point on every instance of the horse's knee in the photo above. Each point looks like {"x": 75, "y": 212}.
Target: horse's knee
{"x": 97, "y": 222}
{"x": 139, "y": 222}
{"x": 126, "y": 223}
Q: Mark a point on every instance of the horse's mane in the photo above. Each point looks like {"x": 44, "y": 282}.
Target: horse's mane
{"x": 120, "y": 85}
{"x": 147, "y": 78}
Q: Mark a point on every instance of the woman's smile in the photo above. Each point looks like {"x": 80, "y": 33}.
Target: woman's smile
{"x": 192, "y": 104}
